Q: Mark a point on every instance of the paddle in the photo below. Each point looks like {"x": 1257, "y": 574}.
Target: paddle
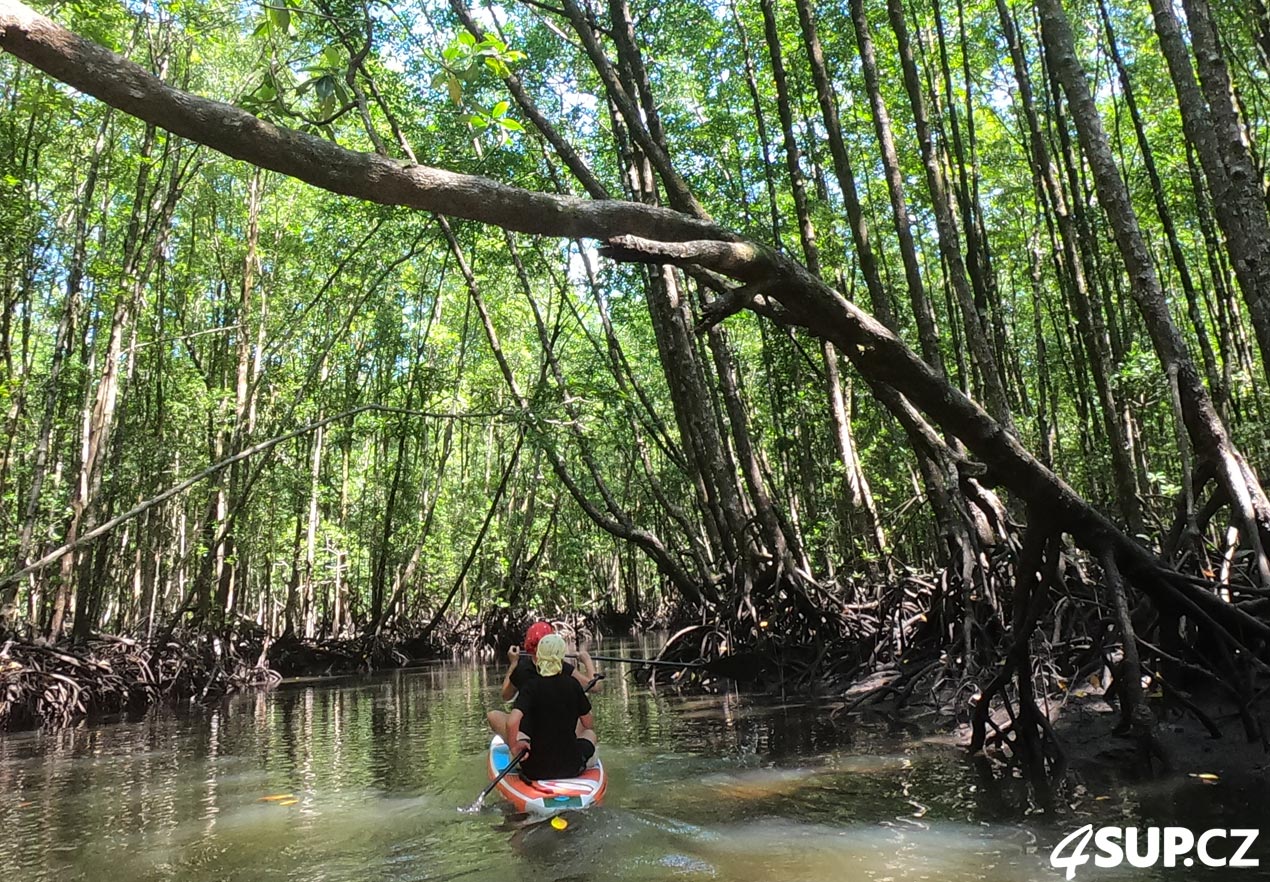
{"x": 476, "y": 806}
{"x": 743, "y": 666}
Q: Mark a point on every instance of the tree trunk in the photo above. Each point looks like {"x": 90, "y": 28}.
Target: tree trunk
{"x": 307, "y": 596}
{"x": 1208, "y": 435}
{"x": 998, "y": 403}
{"x": 1217, "y": 389}
{"x": 1233, "y": 177}
{"x": 923, "y": 311}
{"x": 1094, "y": 339}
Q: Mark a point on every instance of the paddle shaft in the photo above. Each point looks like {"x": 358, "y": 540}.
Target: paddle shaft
{"x": 743, "y": 666}
{"x": 647, "y": 661}
{"x": 501, "y": 775}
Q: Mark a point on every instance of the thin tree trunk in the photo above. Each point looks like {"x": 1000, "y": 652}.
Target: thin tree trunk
{"x": 1250, "y": 508}
{"x": 1096, "y": 344}
{"x": 998, "y": 403}
{"x": 923, "y": 311}
{"x": 247, "y": 369}
{"x": 1241, "y": 197}
{"x": 1215, "y": 385}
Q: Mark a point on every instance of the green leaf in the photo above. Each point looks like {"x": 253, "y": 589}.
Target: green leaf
{"x": 466, "y": 39}
{"x": 510, "y": 124}
{"x": 500, "y": 109}
{"x": 279, "y": 18}
{"x": 331, "y": 56}
{"x": 456, "y": 90}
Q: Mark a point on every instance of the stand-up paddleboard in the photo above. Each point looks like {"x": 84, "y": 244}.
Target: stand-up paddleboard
{"x": 547, "y": 797}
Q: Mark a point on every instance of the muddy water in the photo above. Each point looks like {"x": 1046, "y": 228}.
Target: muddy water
{"x": 362, "y": 778}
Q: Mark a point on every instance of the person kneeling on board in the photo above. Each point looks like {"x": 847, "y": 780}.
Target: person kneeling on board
{"x": 551, "y": 720}
{"x": 521, "y": 669}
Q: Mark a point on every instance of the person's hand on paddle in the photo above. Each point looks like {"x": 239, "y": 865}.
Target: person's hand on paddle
{"x": 513, "y": 659}
{"x": 586, "y": 673}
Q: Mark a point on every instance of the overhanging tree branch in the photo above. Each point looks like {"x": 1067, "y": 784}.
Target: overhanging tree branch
{"x": 120, "y": 83}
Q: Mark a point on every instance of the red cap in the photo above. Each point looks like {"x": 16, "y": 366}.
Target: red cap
{"x": 536, "y": 632}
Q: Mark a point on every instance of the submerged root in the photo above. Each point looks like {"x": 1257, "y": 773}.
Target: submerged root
{"x": 1046, "y": 621}
{"x": 53, "y": 686}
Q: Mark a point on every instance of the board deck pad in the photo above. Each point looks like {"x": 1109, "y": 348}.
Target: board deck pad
{"x": 550, "y": 796}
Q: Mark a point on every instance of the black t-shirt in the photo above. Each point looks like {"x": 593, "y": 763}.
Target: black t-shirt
{"x": 526, "y": 670}
{"x": 551, "y": 706}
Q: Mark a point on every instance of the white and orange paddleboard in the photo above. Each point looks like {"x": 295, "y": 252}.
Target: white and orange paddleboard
{"x": 547, "y": 797}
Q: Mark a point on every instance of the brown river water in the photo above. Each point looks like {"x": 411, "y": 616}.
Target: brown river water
{"x": 360, "y": 779}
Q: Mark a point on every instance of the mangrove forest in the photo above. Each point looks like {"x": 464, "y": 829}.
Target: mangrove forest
{"x": 908, "y": 352}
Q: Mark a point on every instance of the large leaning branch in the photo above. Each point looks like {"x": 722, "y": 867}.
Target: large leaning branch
{"x": 97, "y": 71}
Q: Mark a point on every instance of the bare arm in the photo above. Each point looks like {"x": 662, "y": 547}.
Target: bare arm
{"x": 584, "y": 671}
{"x": 513, "y": 656}
{"x": 517, "y": 741}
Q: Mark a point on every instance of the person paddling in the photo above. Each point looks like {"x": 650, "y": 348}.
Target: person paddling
{"x": 521, "y": 669}
{"x": 550, "y": 724}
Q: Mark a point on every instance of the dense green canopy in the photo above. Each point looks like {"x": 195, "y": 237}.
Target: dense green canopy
{"x": 489, "y": 419}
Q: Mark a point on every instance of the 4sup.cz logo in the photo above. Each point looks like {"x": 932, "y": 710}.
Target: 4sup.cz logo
{"x": 1153, "y": 846}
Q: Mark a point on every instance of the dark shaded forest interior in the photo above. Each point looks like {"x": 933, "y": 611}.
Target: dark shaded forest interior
{"x": 917, "y": 345}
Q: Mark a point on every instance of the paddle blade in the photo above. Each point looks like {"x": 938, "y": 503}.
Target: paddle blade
{"x": 476, "y": 806}
{"x": 473, "y": 808}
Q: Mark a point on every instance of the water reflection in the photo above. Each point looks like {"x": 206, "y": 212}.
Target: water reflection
{"x": 360, "y": 779}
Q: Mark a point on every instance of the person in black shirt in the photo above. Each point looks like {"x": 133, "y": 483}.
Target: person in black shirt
{"x": 521, "y": 669}
{"x": 551, "y": 721}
